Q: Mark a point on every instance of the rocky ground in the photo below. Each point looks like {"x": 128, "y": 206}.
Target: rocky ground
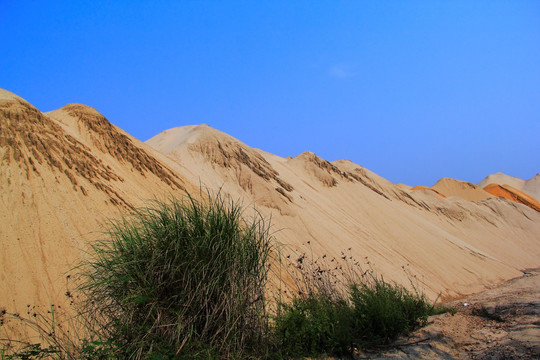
{"x": 500, "y": 323}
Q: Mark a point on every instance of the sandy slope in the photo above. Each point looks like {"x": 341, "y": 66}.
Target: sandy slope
{"x": 532, "y": 187}
{"x": 404, "y": 186}
{"x": 62, "y": 174}
{"x": 453, "y": 246}
{"x": 465, "y": 190}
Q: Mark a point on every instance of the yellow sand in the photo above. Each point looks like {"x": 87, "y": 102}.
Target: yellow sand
{"x": 63, "y": 173}
{"x": 454, "y": 246}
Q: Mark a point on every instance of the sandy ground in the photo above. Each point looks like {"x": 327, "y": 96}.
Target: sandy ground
{"x": 500, "y": 323}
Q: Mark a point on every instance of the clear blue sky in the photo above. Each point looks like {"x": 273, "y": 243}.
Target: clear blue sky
{"x": 413, "y": 90}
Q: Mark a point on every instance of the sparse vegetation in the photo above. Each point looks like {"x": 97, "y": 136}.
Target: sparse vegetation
{"x": 342, "y": 308}
{"x": 187, "y": 280}
{"x": 383, "y": 311}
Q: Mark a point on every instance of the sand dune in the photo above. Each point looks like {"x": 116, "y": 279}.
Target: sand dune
{"x": 454, "y": 246}
{"x": 513, "y": 194}
{"x": 530, "y": 187}
{"x": 465, "y": 190}
{"x": 404, "y": 186}
{"x": 64, "y": 172}
{"x": 501, "y": 179}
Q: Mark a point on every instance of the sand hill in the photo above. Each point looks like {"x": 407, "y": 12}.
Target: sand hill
{"x": 454, "y": 246}
{"x": 531, "y": 187}
{"x": 404, "y": 186}
{"x": 462, "y": 189}
{"x": 501, "y": 179}
{"x": 61, "y": 175}
{"x": 64, "y": 172}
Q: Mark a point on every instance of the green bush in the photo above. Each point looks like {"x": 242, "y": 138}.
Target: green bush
{"x": 182, "y": 280}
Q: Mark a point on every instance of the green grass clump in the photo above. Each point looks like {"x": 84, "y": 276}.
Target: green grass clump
{"x": 382, "y": 311}
{"x": 182, "y": 280}
{"x": 334, "y": 317}
{"x": 312, "y": 326}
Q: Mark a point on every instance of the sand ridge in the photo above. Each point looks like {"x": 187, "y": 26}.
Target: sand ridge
{"x": 238, "y": 164}
{"x": 30, "y": 138}
{"x": 532, "y": 187}
{"x": 340, "y": 205}
{"x": 501, "y": 179}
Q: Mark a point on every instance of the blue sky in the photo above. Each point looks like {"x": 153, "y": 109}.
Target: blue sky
{"x": 412, "y": 90}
